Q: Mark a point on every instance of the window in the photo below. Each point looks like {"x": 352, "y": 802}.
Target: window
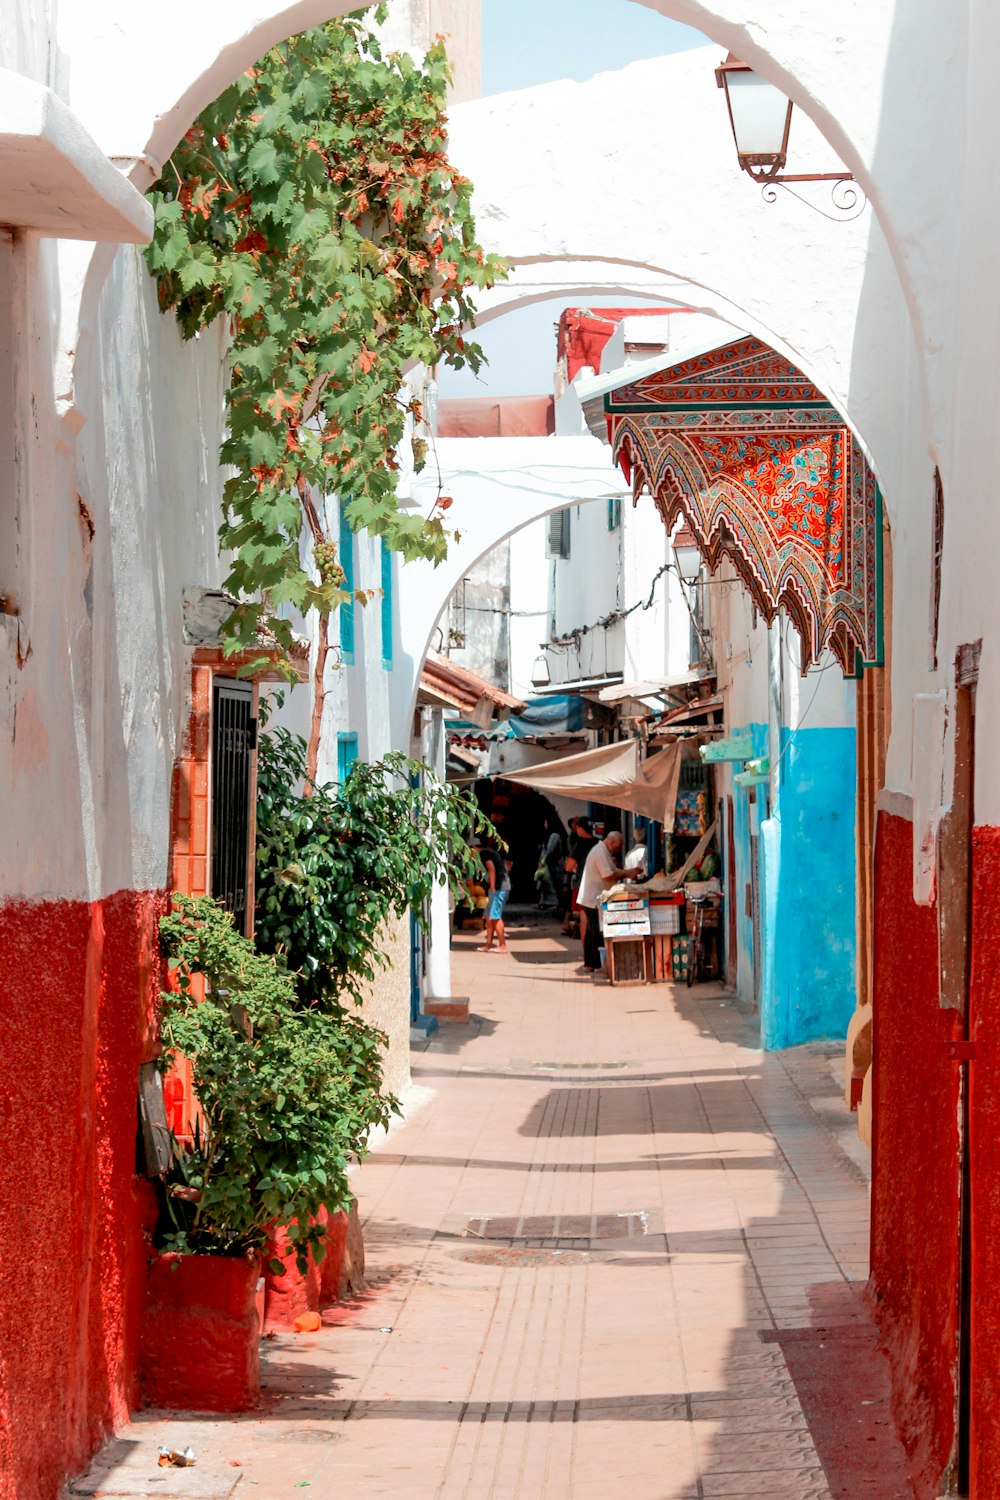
{"x": 347, "y": 754}
{"x": 614, "y": 512}
{"x": 386, "y": 559}
{"x": 347, "y": 610}
{"x": 938, "y": 552}
{"x": 557, "y": 539}
{"x": 234, "y": 740}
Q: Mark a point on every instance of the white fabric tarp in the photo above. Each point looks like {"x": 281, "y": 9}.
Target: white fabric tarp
{"x": 614, "y": 775}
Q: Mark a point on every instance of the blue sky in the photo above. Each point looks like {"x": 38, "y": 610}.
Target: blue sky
{"x": 535, "y": 41}
{"x": 526, "y": 42}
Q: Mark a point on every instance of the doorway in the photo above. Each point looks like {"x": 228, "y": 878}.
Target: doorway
{"x": 955, "y": 945}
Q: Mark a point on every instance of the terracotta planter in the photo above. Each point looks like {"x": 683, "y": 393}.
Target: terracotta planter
{"x": 201, "y": 1333}
{"x": 290, "y": 1293}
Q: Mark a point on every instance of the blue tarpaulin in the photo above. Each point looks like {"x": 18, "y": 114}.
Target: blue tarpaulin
{"x": 558, "y": 713}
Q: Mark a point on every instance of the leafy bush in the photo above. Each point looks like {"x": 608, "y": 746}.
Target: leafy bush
{"x": 288, "y": 1093}
{"x": 313, "y": 206}
{"x": 334, "y": 865}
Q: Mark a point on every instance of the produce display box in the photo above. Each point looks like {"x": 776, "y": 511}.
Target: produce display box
{"x": 680, "y": 957}
{"x": 627, "y": 960}
{"x": 659, "y": 958}
{"x": 666, "y": 919}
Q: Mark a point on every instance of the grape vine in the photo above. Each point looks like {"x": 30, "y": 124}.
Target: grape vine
{"x": 314, "y": 206}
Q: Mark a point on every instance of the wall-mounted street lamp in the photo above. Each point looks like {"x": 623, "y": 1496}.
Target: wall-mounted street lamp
{"x": 761, "y": 118}
{"x": 687, "y": 564}
{"x": 688, "y": 557}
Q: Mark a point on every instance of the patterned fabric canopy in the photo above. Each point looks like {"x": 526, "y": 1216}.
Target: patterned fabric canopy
{"x": 763, "y": 469}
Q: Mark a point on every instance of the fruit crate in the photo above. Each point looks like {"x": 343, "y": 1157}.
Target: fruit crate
{"x": 680, "y": 957}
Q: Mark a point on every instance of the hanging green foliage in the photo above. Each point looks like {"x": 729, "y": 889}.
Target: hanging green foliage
{"x": 335, "y": 865}
{"x": 287, "y": 1093}
{"x": 314, "y": 206}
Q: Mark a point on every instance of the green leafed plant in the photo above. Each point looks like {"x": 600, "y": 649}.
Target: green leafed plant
{"x": 288, "y": 1093}
{"x": 314, "y": 207}
{"x": 334, "y": 865}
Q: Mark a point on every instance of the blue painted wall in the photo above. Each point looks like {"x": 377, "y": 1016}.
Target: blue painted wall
{"x": 807, "y": 872}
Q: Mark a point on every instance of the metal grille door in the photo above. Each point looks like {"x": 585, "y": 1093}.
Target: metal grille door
{"x": 234, "y": 737}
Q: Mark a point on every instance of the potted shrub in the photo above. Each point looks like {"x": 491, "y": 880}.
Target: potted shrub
{"x": 334, "y": 865}
{"x": 286, "y": 1095}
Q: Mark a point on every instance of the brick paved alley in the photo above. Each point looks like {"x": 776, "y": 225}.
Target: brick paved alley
{"x": 613, "y": 1252}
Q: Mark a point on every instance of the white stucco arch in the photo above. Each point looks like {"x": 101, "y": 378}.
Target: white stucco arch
{"x": 695, "y": 229}
{"x": 498, "y": 486}
{"x": 534, "y": 281}
{"x": 832, "y": 67}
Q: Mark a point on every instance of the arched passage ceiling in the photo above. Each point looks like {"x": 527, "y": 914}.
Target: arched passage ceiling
{"x": 832, "y": 60}
{"x": 864, "y": 79}
{"x": 652, "y": 199}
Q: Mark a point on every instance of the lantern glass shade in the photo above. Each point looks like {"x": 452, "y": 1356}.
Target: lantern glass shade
{"x": 688, "y": 561}
{"x": 540, "y": 674}
{"x": 760, "y": 114}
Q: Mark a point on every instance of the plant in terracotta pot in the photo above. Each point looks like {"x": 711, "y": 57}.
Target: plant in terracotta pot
{"x": 286, "y": 1095}
{"x": 335, "y": 865}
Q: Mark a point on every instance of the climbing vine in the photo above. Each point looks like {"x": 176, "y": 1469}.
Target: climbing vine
{"x": 313, "y": 205}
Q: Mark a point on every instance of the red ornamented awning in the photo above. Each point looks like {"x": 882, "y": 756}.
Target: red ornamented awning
{"x": 764, "y": 470}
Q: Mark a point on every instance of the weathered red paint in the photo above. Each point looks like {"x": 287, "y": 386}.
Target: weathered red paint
{"x": 984, "y": 1147}
{"x": 290, "y": 1292}
{"x": 80, "y": 982}
{"x": 915, "y": 1167}
{"x": 201, "y": 1333}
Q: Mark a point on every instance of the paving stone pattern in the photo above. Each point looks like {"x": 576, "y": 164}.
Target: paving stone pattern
{"x": 597, "y": 1254}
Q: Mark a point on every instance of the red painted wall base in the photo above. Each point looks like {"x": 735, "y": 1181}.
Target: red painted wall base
{"x": 291, "y": 1293}
{"x": 915, "y": 1177}
{"x": 201, "y": 1334}
{"x": 80, "y": 982}
{"x": 984, "y": 1147}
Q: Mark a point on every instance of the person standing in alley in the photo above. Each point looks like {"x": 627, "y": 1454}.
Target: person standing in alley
{"x": 581, "y": 841}
{"x": 551, "y": 861}
{"x": 498, "y": 889}
{"x": 600, "y": 871}
{"x": 637, "y": 857}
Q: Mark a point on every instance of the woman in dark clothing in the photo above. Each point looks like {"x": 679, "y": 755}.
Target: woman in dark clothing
{"x": 552, "y": 860}
{"x": 581, "y": 841}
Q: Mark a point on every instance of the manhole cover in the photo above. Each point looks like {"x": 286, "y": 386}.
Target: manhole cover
{"x": 558, "y": 1227}
{"x": 306, "y": 1435}
{"x": 512, "y": 1256}
{"x": 575, "y": 1067}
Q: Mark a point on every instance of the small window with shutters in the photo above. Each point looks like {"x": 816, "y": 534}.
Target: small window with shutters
{"x": 558, "y": 536}
{"x": 347, "y": 754}
{"x": 234, "y": 741}
{"x": 346, "y": 611}
{"x": 937, "y": 554}
{"x": 387, "y": 606}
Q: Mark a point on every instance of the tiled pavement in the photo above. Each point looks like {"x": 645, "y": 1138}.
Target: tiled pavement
{"x": 616, "y": 1254}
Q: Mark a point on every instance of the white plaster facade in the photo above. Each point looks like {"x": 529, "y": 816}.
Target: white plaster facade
{"x": 886, "y": 314}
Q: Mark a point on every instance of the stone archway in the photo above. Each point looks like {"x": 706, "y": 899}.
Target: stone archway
{"x": 163, "y": 87}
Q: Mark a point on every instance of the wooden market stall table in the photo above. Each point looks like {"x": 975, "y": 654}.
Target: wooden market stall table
{"x": 645, "y": 934}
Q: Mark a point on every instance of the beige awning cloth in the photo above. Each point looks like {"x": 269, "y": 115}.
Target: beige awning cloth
{"x": 614, "y": 775}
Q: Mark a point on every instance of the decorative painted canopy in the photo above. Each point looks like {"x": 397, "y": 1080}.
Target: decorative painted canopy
{"x": 764, "y": 470}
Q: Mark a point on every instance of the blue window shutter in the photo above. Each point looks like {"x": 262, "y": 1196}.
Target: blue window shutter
{"x": 347, "y": 610}
{"x": 386, "y": 604}
{"x": 347, "y": 754}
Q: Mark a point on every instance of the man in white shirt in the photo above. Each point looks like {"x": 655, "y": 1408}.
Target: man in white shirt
{"x": 637, "y": 857}
{"x": 600, "y": 871}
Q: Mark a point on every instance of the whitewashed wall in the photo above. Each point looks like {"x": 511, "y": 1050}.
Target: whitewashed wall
{"x": 888, "y": 316}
